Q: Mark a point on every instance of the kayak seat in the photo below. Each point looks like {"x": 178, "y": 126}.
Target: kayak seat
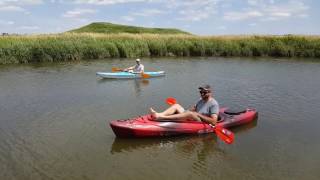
{"x": 232, "y": 112}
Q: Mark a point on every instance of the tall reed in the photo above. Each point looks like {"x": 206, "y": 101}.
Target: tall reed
{"x": 69, "y": 46}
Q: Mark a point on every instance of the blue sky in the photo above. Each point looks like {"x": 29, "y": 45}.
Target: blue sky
{"x": 201, "y": 17}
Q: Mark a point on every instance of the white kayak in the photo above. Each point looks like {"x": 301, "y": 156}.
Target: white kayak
{"x": 128, "y": 75}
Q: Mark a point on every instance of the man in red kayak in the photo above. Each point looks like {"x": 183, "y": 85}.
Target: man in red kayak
{"x": 206, "y": 109}
{"x": 138, "y": 68}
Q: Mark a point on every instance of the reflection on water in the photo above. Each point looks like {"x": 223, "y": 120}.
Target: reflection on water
{"x": 120, "y": 145}
{"x": 244, "y": 128}
{"x": 200, "y": 151}
{"x": 138, "y": 84}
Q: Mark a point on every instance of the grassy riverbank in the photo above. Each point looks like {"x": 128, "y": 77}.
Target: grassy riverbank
{"x": 75, "y": 46}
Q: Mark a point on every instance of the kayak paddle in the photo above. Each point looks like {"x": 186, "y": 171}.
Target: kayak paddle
{"x": 143, "y": 75}
{"x": 224, "y": 134}
{"x": 171, "y": 101}
{"x": 114, "y": 69}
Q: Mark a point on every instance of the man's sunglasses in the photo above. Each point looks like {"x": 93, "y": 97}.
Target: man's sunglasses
{"x": 204, "y": 92}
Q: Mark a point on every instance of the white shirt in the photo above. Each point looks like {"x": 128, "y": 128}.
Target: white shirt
{"x": 138, "y": 68}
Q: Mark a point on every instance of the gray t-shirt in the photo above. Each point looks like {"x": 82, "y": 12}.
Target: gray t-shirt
{"x": 207, "y": 108}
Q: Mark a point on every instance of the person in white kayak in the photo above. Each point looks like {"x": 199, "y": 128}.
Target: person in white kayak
{"x": 206, "y": 109}
{"x": 138, "y": 68}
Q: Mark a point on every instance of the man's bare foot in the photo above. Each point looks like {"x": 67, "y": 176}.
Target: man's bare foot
{"x": 154, "y": 113}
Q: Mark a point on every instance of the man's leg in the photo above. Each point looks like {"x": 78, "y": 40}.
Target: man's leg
{"x": 174, "y": 109}
{"x": 178, "y": 117}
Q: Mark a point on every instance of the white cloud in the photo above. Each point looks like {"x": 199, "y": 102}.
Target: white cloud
{"x": 192, "y": 15}
{"x": 259, "y": 2}
{"x": 127, "y": 18}
{"x": 254, "y": 2}
{"x": 11, "y": 9}
{"x": 221, "y": 28}
{"x": 280, "y": 14}
{"x": 20, "y": 2}
{"x": 194, "y": 10}
{"x": 269, "y": 11}
{"x": 235, "y": 16}
{"x": 29, "y": 27}
{"x": 16, "y": 5}
{"x": 6, "y": 22}
{"x": 303, "y": 15}
{"x": 148, "y": 12}
{"x": 290, "y": 9}
{"x": 188, "y": 10}
{"x": 106, "y": 2}
{"x": 191, "y": 3}
{"x": 78, "y": 13}
{"x": 31, "y": 2}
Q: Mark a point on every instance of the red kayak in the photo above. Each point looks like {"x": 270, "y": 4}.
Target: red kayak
{"x": 145, "y": 126}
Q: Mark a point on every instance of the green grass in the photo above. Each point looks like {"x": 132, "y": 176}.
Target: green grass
{"x": 108, "y": 28}
{"x": 79, "y": 46}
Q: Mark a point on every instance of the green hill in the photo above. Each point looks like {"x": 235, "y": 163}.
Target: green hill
{"x": 103, "y": 27}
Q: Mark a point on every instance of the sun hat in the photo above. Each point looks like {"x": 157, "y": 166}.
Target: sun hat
{"x": 205, "y": 87}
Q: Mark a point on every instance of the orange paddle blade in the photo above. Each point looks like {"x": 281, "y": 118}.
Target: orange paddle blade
{"x": 171, "y": 101}
{"x": 114, "y": 69}
{"x": 143, "y": 75}
{"x": 224, "y": 134}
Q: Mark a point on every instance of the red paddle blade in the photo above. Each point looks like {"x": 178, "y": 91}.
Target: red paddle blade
{"x": 171, "y": 101}
{"x": 224, "y": 134}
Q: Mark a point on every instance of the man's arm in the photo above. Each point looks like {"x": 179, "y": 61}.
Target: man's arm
{"x": 193, "y": 108}
{"x": 129, "y": 68}
{"x": 210, "y": 120}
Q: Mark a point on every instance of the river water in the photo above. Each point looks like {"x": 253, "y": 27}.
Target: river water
{"x": 54, "y": 120}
